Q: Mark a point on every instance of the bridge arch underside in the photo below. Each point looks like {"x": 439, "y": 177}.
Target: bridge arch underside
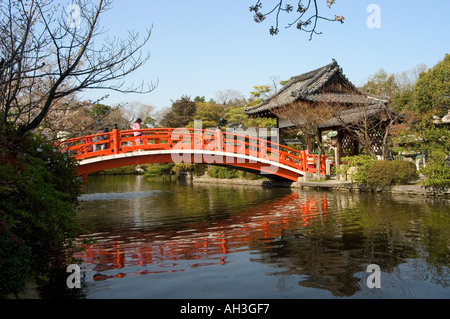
{"x": 264, "y": 167}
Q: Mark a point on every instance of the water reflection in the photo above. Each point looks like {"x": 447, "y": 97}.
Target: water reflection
{"x": 324, "y": 240}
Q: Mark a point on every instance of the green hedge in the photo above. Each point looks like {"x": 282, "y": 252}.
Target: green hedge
{"x": 159, "y": 169}
{"x": 378, "y": 174}
{"x": 222, "y": 172}
{"x": 229, "y": 173}
{"x": 361, "y": 162}
{"x": 388, "y": 173}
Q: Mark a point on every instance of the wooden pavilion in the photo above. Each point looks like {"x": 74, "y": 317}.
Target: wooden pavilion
{"x": 328, "y": 85}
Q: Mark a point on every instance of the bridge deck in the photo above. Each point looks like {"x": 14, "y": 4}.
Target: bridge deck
{"x": 122, "y": 148}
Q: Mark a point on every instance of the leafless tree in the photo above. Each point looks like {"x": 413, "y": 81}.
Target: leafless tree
{"x": 407, "y": 79}
{"x": 306, "y": 18}
{"x": 371, "y": 125}
{"x": 133, "y": 110}
{"x": 48, "y": 53}
{"x": 308, "y": 119}
{"x": 68, "y": 117}
{"x": 229, "y": 96}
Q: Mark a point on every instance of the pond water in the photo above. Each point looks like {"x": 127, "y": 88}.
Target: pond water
{"x": 175, "y": 239}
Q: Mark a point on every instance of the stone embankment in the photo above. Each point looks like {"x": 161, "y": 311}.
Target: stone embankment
{"x": 335, "y": 185}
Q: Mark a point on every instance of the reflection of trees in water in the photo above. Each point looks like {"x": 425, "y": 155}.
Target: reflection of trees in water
{"x": 326, "y": 238}
{"x": 332, "y": 249}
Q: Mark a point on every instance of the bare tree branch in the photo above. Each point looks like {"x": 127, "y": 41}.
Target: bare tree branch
{"x": 45, "y": 58}
{"x": 302, "y": 22}
{"x": 308, "y": 118}
{"x": 371, "y": 125}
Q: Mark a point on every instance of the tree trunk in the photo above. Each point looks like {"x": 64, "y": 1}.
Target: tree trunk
{"x": 319, "y": 156}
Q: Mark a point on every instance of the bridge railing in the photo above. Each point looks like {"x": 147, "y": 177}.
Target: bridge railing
{"x": 118, "y": 142}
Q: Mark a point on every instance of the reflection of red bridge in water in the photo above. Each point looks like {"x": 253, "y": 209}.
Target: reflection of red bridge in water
{"x": 206, "y": 242}
{"x": 166, "y": 145}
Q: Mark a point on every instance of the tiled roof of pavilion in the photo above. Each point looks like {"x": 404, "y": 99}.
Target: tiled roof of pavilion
{"x": 307, "y": 87}
{"x": 357, "y": 114}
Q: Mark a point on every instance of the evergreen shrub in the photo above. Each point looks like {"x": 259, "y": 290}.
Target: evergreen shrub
{"x": 39, "y": 190}
{"x": 362, "y": 164}
{"x": 15, "y": 262}
{"x": 388, "y": 173}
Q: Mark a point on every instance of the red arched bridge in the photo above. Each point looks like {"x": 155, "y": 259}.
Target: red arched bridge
{"x": 114, "y": 149}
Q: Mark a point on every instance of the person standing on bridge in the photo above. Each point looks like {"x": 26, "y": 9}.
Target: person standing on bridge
{"x": 95, "y": 139}
{"x": 136, "y": 128}
{"x": 104, "y": 138}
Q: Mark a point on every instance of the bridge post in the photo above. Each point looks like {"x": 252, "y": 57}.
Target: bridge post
{"x": 218, "y": 136}
{"x": 241, "y": 141}
{"x": 263, "y": 149}
{"x": 115, "y": 143}
{"x": 323, "y": 164}
{"x": 304, "y": 161}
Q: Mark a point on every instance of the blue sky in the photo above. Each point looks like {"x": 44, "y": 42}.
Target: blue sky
{"x": 200, "y": 47}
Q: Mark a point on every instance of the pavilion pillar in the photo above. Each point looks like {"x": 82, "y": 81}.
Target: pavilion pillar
{"x": 338, "y": 152}
{"x": 355, "y": 147}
